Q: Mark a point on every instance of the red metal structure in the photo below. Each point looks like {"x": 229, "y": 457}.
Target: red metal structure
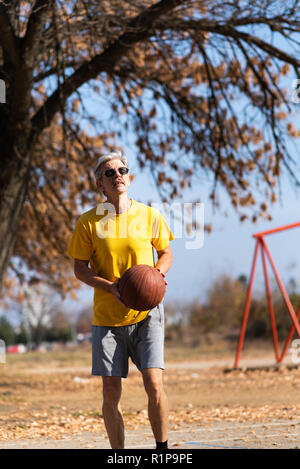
{"x": 261, "y": 243}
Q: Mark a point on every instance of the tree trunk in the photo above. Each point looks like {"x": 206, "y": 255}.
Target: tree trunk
{"x": 12, "y": 196}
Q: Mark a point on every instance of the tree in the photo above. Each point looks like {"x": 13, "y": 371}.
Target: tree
{"x": 6, "y": 331}
{"x": 223, "y": 305}
{"x": 200, "y": 83}
{"x": 38, "y": 308}
{"x": 84, "y": 321}
{"x": 60, "y": 329}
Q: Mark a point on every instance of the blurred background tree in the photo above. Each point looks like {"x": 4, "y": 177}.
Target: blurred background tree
{"x": 6, "y": 331}
{"x": 223, "y": 306}
{"x": 222, "y": 309}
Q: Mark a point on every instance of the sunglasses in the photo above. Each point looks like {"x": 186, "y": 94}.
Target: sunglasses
{"x": 112, "y": 172}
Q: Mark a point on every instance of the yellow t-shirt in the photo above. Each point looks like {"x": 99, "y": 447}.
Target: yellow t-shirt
{"x": 113, "y": 243}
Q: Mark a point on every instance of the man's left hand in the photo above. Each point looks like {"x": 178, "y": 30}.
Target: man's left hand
{"x": 162, "y": 275}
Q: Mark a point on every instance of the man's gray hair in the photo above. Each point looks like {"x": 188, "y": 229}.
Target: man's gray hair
{"x": 107, "y": 157}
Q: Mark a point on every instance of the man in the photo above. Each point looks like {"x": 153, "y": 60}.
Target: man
{"x": 113, "y": 237}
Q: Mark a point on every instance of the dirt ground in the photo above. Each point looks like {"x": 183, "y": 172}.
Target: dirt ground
{"x": 50, "y": 400}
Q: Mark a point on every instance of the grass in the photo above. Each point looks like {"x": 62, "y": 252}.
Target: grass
{"x": 209, "y": 347}
{"x": 77, "y": 356}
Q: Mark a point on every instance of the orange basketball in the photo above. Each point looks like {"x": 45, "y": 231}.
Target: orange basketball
{"x": 142, "y": 287}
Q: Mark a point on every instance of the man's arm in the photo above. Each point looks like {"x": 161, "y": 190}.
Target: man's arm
{"x": 164, "y": 261}
{"x": 88, "y": 276}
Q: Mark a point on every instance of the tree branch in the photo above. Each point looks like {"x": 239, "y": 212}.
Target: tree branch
{"x": 228, "y": 31}
{"x": 138, "y": 29}
{"x": 51, "y": 71}
{"x": 269, "y": 48}
{"x": 7, "y": 37}
{"x": 35, "y": 27}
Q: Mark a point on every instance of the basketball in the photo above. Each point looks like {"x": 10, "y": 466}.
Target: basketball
{"x": 142, "y": 287}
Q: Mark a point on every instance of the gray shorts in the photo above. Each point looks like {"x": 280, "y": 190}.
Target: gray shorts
{"x": 143, "y": 342}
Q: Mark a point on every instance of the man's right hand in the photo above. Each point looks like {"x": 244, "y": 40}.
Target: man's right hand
{"x": 115, "y": 291}
{"x": 93, "y": 279}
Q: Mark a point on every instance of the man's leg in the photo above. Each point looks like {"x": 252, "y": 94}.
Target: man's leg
{"x": 157, "y": 403}
{"x": 112, "y": 413}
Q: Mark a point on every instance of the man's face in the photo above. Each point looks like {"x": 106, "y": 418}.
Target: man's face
{"x": 116, "y": 183}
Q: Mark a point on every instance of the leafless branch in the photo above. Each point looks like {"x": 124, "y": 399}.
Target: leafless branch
{"x": 138, "y": 30}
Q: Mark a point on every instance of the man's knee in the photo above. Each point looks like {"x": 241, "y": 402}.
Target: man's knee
{"x": 112, "y": 389}
{"x": 153, "y": 383}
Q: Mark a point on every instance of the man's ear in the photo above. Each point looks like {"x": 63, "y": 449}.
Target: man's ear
{"x": 99, "y": 185}
{"x": 130, "y": 179}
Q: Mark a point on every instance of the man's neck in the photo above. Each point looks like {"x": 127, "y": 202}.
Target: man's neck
{"x": 121, "y": 203}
